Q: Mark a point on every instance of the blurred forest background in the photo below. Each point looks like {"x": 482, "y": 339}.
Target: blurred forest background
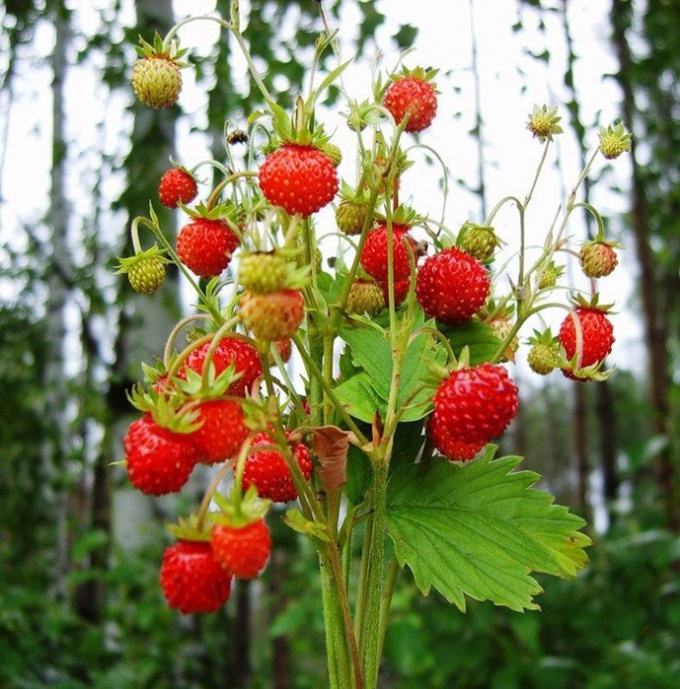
{"x": 79, "y": 550}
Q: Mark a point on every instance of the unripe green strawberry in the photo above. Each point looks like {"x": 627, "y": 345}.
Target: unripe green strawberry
{"x": 192, "y": 578}
{"x": 543, "y": 122}
{"x": 365, "y": 297}
{"x": 263, "y": 272}
{"x": 350, "y": 216}
{"x": 333, "y": 152}
{"x": 147, "y": 275}
{"x": 479, "y": 241}
{"x": 274, "y": 316}
{"x": 157, "y": 81}
{"x": 549, "y": 277}
{"x": 502, "y": 328}
{"x": 614, "y": 141}
{"x": 543, "y": 358}
{"x": 598, "y": 259}
{"x": 544, "y": 355}
{"x": 242, "y": 550}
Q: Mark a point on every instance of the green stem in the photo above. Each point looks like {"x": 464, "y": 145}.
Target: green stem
{"x": 371, "y": 643}
{"x": 386, "y": 602}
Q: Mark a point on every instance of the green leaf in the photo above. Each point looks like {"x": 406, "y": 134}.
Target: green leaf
{"x": 359, "y": 474}
{"x": 359, "y": 398}
{"x": 414, "y": 371}
{"x": 479, "y": 337}
{"x": 480, "y": 530}
{"x": 371, "y": 351}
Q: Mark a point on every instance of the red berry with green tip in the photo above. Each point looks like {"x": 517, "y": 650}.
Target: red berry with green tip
{"x": 192, "y": 578}
{"x": 222, "y": 431}
{"x": 413, "y": 97}
{"x": 159, "y": 461}
{"x": 272, "y": 317}
{"x": 299, "y": 179}
{"x": 242, "y": 550}
{"x": 597, "y": 334}
{"x": 230, "y": 351}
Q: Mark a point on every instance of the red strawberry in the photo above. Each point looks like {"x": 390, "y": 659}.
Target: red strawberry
{"x": 176, "y": 186}
{"x": 450, "y": 446}
{"x": 222, "y": 431}
{"x": 476, "y": 404}
{"x": 274, "y": 316}
{"x": 192, "y": 579}
{"x": 597, "y": 333}
{"x": 158, "y": 460}
{"x": 451, "y": 286}
{"x": 230, "y": 350}
{"x": 401, "y": 288}
{"x": 414, "y": 96}
{"x": 268, "y": 471}
{"x": 300, "y": 179}
{"x": 374, "y": 257}
{"x": 244, "y": 550}
{"x": 206, "y": 246}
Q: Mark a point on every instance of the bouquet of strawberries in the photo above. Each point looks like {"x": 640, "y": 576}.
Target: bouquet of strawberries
{"x": 361, "y": 392}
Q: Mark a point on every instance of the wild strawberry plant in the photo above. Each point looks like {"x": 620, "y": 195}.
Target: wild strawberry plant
{"x": 357, "y": 398}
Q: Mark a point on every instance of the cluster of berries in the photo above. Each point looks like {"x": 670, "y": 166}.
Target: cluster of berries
{"x": 205, "y": 405}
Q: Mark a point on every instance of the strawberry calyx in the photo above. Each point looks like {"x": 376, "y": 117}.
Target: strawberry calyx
{"x": 191, "y": 528}
{"x": 125, "y": 264}
{"x": 162, "y": 49}
{"x": 239, "y": 509}
{"x": 580, "y": 300}
{"x": 420, "y": 73}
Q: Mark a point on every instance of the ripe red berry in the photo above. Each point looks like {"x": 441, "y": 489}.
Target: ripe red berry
{"x": 242, "y": 551}
{"x": 414, "y": 97}
{"x": 192, "y": 579}
{"x": 300, "y": 179}
{"x": 268, "y": 470}
{"x": 452, "y": 447}
{"x": 222, "y": 431}
{"x": 158, "y": 460}
{"x": 451, "y": 286}
{"x": 476, "y": 404}
{"x": 177, "y": 186}
{"x": 374, "y": 255}
{"x": 272, "y": 317}
{"x": 230, "y": 350}
{"x": 206, "y": 246}
{"x": 401, "y": 288}
{"x": 597, "y": 338}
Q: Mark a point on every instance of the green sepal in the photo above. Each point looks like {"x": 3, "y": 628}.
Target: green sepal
{"x": 295, "y": 520}
{"x": 190, "y": 529}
